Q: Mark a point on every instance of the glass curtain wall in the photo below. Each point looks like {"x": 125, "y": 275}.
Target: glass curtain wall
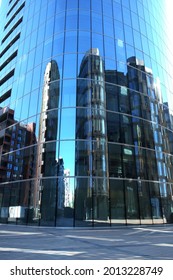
{"x": 86, "y": 113}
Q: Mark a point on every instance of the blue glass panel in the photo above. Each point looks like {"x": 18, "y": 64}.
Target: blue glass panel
{"x": 96, "y": 6}
{"x": 47, "y": 49}
{"x": 84, "y": 41}
{"x": 58, "y": 44}
{"x": 107, "y": 8}
{"x": 137, "y": 40}
{"x": 70, "y": 41}
{"x": 60, "y": 6}
{"x": 109, "y": 44}
{"x": 83, "y": 4}
{"x": 71, "y": 20}
{"x": 97, "y": 42}
{"x": 72, "y": 4}
{"x": 69, "y": 98}
{"x": 135, "y": 21}
{"x": 127, "y": 16}
{"x": 133, "y": 6}
{"x": 51, "y": 8}
{"x": 69, "y": 72}
{"x": 59, "y": 23}
{"x": 129, "y": 35}
{"x": 84, "y": 20}
{"x": 126, "y": 3}
{"x": 49, "y": 28}
{"x": 108, "y": 26}
{"x": 117, "y": 11}
{"x": 120, "y": 51}
{"x": 97, "y": 24}
{"x": 119, "y": 30}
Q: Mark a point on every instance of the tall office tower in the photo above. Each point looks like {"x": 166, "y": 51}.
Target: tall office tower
{"x": 86, "y": 112}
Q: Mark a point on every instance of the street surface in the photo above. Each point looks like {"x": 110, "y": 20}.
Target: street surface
{"x": 121, "y": 243}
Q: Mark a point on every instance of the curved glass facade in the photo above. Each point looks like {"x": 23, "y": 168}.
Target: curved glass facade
{"x": 86, "y": 113}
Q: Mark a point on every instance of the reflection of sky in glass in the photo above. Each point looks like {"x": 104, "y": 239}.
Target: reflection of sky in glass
{"x": 119, "y": 30}
{"x": 168, "y": 29}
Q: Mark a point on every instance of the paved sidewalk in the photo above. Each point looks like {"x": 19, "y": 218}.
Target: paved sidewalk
{"x": 122, "y": 243}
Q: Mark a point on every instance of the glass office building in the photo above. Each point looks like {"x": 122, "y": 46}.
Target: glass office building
{"x": 86, "y": 113}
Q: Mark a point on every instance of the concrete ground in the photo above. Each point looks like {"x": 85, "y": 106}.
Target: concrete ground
{"x": 121, "y": 243}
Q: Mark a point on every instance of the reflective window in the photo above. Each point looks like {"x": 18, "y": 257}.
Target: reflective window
{"x": 133, "y": 6}
{"x": 51, "y": 8}
{"x": 67, "y": 153}
{"x": 71, "y": 20}
{"x": 140, "y": 9}
{"x": 107, "y": 8}
{"x": 34, "y": 39}
{"x": 72, "y": 4}
{"x": 33, "y": 103}
{"x": 58, "y": 44}
{"x": 40, "y": 35}
{"x": 117, "y": 11}
{"x": 109, "y": 47}
{"x": 135, "y": 21}
{"x": 97, "y": 25}
{"x": 120, "y": 50}
{"x": 132, "y": 203}
{"x": 126, "y": 3}
{"x": 43, "y": 13}
{"x": 60, "y": 6}
{"x": 49, "y": 28}
{"x": 117, "y": 202}
{"x": 143, "y": 27}
{"x": 24, "y": 112}
{"x": 59, "y": 23}
{"x": 128, "y": 35}
{"x": 84, "y": 42}
{"x": 129, "y": 51}
{"x": 127, "y": 16}
{"x": 97, "y": 6}
{"x": 97, "y": 42}
{"x": 84, "y": 20}
{"x": 28, "y": 82}
{"x": 36, "y": 77}
{"x": 83, "y": 4}
{"x": 119, "y": 32}
{"x": 47, "y": 49}
{"x": 108, "y": 26}
{"x": 70, "y": 41}
{"x": 155, "y": 200}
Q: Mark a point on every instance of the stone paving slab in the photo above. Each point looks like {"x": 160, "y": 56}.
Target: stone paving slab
{"x": 122, "y": 243}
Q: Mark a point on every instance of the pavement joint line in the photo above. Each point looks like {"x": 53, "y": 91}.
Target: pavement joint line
{"x": 154, "y": 230}
{"x": 94, "y": 238}
{"x": 163, "y": 245}
{"x": 47, "y": 252}
{"x": 19, "y": 233}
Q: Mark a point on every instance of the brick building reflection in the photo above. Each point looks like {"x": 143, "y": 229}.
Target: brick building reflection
{"x": 16, "y": 163}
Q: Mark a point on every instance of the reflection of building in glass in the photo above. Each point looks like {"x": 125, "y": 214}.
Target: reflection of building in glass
{"x": 16, "y": 164}
{"x": 64, "y": 199}
{"x": 46, "y": 152}
{"x": 91, "y": 150}
{"x": 61, "y": 185}
{"x": 168, "y": 118}
{"x": 103, "y": 112}
{"x": 6, "y": 120}
{"x": 68, "y": 198}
